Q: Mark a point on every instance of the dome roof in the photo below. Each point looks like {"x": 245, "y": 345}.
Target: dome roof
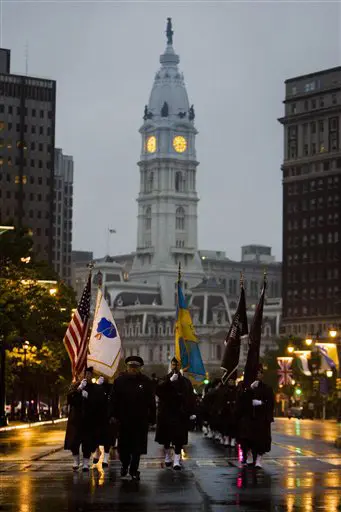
{"x": 169, "y": 88}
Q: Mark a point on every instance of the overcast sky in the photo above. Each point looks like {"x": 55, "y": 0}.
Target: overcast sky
{"x": 235, "y": 58}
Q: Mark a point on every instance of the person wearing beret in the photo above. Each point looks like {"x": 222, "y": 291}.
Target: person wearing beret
{"x": 132, "y": 409}
{"x": 255, "y": 410}
{"x": 177, "y": 405}
{"x": 82, "y": 424}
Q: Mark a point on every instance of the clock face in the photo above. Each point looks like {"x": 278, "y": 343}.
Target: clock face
{"x": 180, "y": 144}
{"x": 151, "y": 144}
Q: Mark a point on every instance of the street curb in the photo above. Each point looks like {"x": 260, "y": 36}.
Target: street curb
{"x": 32, "y": 425}
{"x": 338, "y": 442}
{"x": 46, "y": 454}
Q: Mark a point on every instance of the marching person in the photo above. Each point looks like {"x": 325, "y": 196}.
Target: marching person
{"x": 132, "y": 409}
{"x": 82, "y": 421}
{"x": 176, "y": 409}
{"x": 255, "y": 412}
{"x": 107, "y": 432}
{"x": 229, "y": 427}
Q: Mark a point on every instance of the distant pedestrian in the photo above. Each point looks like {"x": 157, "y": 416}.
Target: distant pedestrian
{"x": 177, "y": 406}
{"x": 132, "y": 409}
{"x": 82, "y": 424}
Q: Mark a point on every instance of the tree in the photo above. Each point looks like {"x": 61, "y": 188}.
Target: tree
{"x": 33, "y": 310}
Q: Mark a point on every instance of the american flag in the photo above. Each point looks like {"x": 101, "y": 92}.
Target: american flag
{"x": 76, "y": 336}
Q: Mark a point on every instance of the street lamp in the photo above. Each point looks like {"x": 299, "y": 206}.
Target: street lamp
{"x": 23, "y": 398}
{"x": 290, "y": 349}
{"x": 329, "y": 373}
{"x": 332, "y": 333}
{"x": 308, "y": 341}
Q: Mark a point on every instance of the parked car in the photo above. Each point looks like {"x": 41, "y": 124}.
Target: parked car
{"x": 295, "y": 412}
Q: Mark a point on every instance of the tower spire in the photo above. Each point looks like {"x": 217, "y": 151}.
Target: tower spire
{"x": 169, "y": 32}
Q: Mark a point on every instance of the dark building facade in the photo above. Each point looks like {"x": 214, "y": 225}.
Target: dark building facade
{"x": 27, "y": 140}
{"x": 312, "y": 203}
{"x": 62, "y": 218}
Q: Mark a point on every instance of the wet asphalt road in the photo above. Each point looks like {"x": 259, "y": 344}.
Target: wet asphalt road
{"x": 302, "y": 473}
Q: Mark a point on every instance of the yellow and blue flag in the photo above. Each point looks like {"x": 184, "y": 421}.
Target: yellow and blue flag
{"x": 187, "y": 350}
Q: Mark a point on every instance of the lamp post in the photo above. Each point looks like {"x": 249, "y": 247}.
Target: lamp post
{"x": 23, "y": 394}
{"x": 3, "y": 417}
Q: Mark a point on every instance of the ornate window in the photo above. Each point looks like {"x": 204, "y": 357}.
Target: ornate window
{"x": 180, "y": 182}
{"x": 148, "y": 218}
{"x": 180, "y": 218}
{"x": 150, "y": 182}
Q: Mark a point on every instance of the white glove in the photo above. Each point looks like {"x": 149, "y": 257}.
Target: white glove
{"x": 82, "y": 384}
{"x": 84, "y": 394}
{"x": 255, "y": 384}
{"x": 100, "y": 380}
{"x": 174, "y": 377}
{"x": 193, "y": 417}
{"x": 255, "y": 403}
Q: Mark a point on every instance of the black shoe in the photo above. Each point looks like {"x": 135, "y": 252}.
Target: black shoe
{"x": 105, "y": 465}
{"x": 168, "y": 464}
{"x": 124, "y": 472}
{"x": 135, "y": 476}
{"x": 95, "y": 460}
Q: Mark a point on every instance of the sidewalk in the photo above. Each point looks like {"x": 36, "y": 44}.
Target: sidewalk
{"x": 16, "y": 425}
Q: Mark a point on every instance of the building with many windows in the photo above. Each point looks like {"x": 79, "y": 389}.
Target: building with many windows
{"x": 62, "y": 216}
{"x": 27, "y": 139}
{"x": 311, "y": 203}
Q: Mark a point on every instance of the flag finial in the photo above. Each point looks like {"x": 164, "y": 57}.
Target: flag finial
{"x": 91, "y": 265}
{"x": 179, "y": 272}
{"x": 265, "y": 275}
{"x": 241, "y": 280}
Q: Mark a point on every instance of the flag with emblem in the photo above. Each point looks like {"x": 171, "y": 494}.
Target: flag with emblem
{"x": 76, "y": 336}
{"x": 105, "y": 347}
{"x": 238, "y": 329}
{"x": 187, "y": 350}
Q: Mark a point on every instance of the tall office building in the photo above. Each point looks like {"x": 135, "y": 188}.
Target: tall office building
{"x": 62, "y": 218}
{"x": 311, "y": 203}
{"x": 27, "y": 138}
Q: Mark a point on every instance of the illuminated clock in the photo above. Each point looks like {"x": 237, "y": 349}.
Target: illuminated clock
{"x": 180, "y": 144}
{"x": 151, "y": 144}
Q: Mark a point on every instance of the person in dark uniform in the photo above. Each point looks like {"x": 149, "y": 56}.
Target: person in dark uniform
{"x": 255, "y": 411}
{"x": 82, "y": 421}
{"x": 176, "y": 408}
{"x": 228, "y": 413}
{"x": 107, "y": 432}
{"x": 132, "y": 409}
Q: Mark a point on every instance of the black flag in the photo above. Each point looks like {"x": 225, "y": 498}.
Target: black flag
{"x": 255, "y": 335}
{"x": 237, "y": 329}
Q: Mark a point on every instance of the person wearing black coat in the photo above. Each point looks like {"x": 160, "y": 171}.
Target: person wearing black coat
{"x": 176, "y": 408}
{"x": 228, "y": 413}
{"x": 255, "y": 409}
{"x": 82, "y": 424}
{"x": 132, "y": 409}
{"x": 107, "y": 432}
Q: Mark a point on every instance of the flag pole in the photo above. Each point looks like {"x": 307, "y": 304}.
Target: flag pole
{"x": 179, "y": 273}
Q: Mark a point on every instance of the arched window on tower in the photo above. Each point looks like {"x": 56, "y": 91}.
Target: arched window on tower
{"x": 150, "y": 182}
{"x": 148, "y": 218}
{"x": 180, "y": 218}
{"x": 180, "y": 182}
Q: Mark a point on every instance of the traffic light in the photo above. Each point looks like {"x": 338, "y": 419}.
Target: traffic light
{"x": 206, "y": 381}
{"x": 298, "y": 391}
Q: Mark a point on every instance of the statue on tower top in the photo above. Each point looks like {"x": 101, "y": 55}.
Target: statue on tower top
{"x": 169, "y": 31}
